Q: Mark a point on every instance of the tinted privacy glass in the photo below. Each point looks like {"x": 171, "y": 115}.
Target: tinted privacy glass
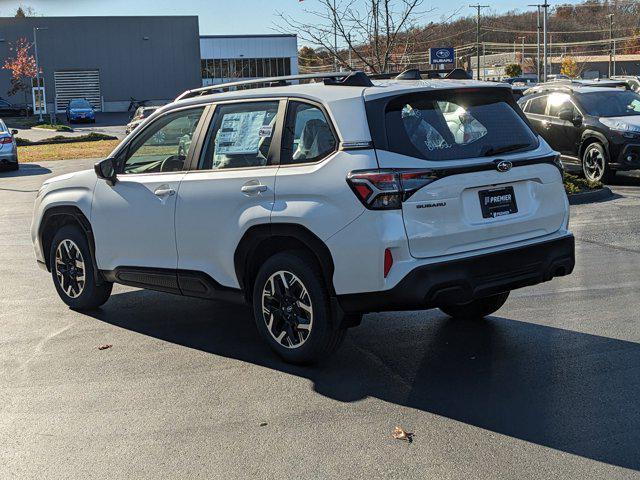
{"x": 450, "y": 125}
{"x": 308, "y": 136}
{"x": 164, "y": 145}
{"x": 559, "y": 102}
{"x": 537, "y": 105}
{"x": 240, "y": 136}
{"x": 610, "y": 103}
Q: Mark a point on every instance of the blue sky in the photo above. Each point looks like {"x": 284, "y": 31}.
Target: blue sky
{"x": 226, "y": 16}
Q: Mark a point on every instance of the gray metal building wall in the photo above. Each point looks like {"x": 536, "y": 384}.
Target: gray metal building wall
{"x": 142, "y": 57}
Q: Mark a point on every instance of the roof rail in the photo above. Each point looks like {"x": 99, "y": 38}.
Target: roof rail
{"x": 357, "y": 79}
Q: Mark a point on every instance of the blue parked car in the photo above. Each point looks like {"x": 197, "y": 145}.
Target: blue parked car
{"x": 80, "y": 110}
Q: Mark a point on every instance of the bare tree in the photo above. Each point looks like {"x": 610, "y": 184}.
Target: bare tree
{"x": 375, "y": 32}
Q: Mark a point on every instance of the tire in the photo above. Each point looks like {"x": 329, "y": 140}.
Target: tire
{"x": 595, "y": 164}
{"x": 479, "y": 308}
{"x": 69, "y": 244}
{"x": 284, "y": 315}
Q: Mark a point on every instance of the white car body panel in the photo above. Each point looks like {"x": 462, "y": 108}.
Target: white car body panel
{"x": 213, "y": 214}
{"x": 317, "y": 196}
{"x": 132, "y": 226}
{"x": 72, "y": 190}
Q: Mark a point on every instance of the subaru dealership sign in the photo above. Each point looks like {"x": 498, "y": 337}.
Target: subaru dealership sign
{"x": 441, "y": 55}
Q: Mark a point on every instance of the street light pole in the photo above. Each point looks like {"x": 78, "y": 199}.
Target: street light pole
{"x": 478, "y": 7}
{"x": 545, "y": 5}
{"x": 610, "y": 42}
{"x": 40, "y": 92}
{"x": 537, "y": 41}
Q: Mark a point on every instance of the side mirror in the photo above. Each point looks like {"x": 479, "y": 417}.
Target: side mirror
{"x": 577, "y": 120}
{"x": 14, "y": 132}
{"x": 106, "y": 170}
{"x": 566, "y": 115}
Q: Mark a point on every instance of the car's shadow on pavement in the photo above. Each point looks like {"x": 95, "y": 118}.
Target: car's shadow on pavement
{"x": 562, "y": 389}
{"x": 26, "y": 170}
{"x": 625, "y": 179}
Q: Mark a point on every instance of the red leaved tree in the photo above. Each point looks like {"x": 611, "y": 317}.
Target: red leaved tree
{"x": 23, "y": 68}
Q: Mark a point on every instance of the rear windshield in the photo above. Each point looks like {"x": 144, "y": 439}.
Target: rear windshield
{"x": 456, "y": 124}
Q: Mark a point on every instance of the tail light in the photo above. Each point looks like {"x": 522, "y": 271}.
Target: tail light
{"x": 387, "y": 189}
{"x": 5, "y": 140}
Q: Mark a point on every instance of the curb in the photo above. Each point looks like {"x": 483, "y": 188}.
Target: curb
{"x": 590, "y": 196}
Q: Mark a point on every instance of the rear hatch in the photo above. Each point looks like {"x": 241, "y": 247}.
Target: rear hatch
{"x": 472, "y": 171}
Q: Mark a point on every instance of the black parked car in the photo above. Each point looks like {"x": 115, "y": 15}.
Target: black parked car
{"x": 596, "y": 128}
{"x": 8, "y": 109}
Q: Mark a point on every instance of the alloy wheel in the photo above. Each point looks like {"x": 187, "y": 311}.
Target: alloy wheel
{"x": 69, "y": 266}
{"x": 594, "y": 164}
{"x": 287, "y": 309}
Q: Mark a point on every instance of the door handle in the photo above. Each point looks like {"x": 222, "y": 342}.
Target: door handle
{"x": 253, "y": 188}
{"x": 546, "y": 125}
{"x": 164, "y": 191}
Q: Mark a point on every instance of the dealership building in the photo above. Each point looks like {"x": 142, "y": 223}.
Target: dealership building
{"x": 227, "y": 58}
{"x": 109, "y": 60}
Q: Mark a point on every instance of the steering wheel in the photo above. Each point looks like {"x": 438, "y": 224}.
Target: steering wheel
{"x": 174, "y": 163}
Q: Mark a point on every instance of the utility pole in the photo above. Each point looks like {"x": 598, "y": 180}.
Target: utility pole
{"x": 478, "y": 7}
{"x": 335, "y": 37}
{"x": 610, "y": 42}
{"x": 40, "y": 92}
{"x": 545, "y": 5}
{"x": 522, "y": 57}
{"x": 538, "y": 27}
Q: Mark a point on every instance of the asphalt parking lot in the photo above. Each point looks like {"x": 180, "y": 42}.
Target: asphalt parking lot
{"x": 547, "y": 388}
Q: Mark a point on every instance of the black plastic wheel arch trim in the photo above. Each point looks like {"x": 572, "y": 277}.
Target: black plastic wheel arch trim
{"x": 84, "y": 223}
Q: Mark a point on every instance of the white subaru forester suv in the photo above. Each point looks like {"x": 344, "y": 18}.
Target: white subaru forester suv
{"x": 316, "y": 203}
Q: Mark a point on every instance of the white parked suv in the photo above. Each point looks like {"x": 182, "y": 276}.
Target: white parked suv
{"x": 316, "y": 203}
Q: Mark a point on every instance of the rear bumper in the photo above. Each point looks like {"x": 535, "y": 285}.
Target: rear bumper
{"x": 463, "y": 280}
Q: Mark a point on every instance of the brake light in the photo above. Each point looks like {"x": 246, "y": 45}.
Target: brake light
{"x": 5, "y": 140}
{"x": 387, "y": 189}
{"x": 388, "y": 261}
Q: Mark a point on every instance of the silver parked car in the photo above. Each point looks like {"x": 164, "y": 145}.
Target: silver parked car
{"x": 8, "y": 148}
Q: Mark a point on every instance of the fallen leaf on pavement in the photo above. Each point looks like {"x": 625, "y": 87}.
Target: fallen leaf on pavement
{"x": 401, "y": 434}
{"x": 104, "y": 347}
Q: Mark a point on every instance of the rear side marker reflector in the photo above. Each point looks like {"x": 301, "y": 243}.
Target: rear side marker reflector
{"x": 5, "y": 140}
{"x": 388, "y": 262}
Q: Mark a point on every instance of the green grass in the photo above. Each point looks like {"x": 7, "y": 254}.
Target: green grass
{"x": 66, "y": 151}
{"x": 574, "y": 184}
{"x": 90, "y": 137}
{"x": 32, "y": 121}
{"x": 57, "y": 127}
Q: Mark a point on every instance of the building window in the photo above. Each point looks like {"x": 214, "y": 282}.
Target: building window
{"x": 230, "y": 68}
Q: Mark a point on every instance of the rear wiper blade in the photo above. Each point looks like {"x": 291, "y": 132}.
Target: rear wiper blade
{"x": 505, "y": 149}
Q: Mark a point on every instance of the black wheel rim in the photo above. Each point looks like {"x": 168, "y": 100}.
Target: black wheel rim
{"x": 69, "y": 268}
{"x": 594, "y": 164}
{"x": 286, "y": 309}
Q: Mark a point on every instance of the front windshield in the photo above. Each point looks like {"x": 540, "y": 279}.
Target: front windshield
{"x": 3, "y": 127}
{"x": 79, "y": 104}
{"x": 612, "y": 103}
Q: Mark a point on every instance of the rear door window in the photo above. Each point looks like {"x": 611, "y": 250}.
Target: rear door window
{"x": 456, "y": 124}
{"x": 537, "y": 105}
